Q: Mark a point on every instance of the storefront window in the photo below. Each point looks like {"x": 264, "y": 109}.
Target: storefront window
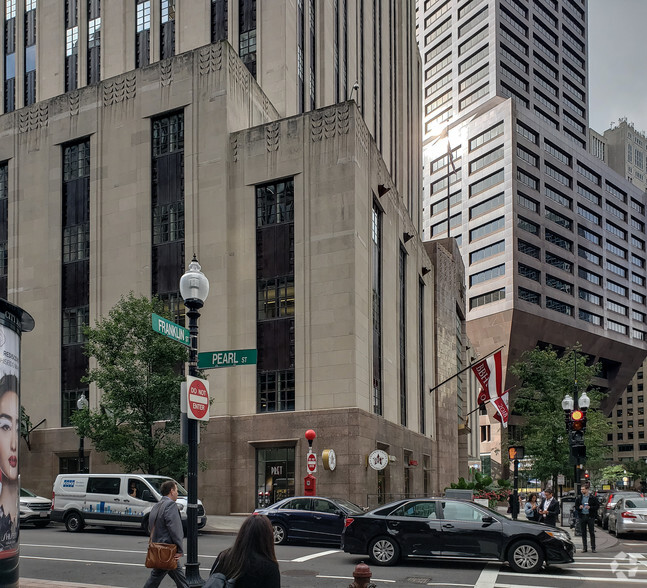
{"x": 274, "y": 474}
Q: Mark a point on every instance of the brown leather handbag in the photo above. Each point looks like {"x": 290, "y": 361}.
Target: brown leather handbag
{"x": 161, "y": 556}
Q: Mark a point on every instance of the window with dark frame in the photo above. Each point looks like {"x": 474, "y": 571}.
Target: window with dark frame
{"x": 219, "y": 20}
{"x": 275, "y": 296}
{"x": 143, "y": 33}
{"x": 402, "y": 332}
{"x": 167, "y": 211}
{"x": 71, "y": 45}
{"x": 376, "y": 286}
{"x": 247, "y": 34}
{"x": 94, "y": 41}
{"x": 10, "y": 56}
{"x": 167, "y": 29}
{"x": 30, "y": 52}
{"x": 75, "y": 295}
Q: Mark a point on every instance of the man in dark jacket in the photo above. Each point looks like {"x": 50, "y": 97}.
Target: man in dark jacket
{"x": 549, "y": 508}
{"x": 587, "y": 506}
{"x": 165, "y": 525}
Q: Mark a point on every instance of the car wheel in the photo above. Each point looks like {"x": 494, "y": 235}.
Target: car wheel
{"x": 280, "y": 534}
{"x": 384, "y": 551}
{"x": 525, "y": 557}
{"x": 74, "y": 522}
{"x": 40, "y": 524}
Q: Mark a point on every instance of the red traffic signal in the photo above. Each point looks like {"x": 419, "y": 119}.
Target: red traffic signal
{"x": 578, "y": 420}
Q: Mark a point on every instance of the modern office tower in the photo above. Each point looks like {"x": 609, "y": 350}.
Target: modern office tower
{"x": 280, "y": 143}
{"x": 627, "y": 152}
{"x": 623, "y": 148}
{"x": 552, "y": 239}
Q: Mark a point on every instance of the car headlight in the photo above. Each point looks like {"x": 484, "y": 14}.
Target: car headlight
{"x": 561, "y": 535}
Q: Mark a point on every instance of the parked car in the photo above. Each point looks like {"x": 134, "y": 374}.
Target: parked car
{"x": 112, "y": 500}
{"x": 629, "y": 515}
{"x": 34, "y": 509}
{"x": 605, "y": 509}
{"x": 309, "y": 518}
{"x": 451, "y": 528}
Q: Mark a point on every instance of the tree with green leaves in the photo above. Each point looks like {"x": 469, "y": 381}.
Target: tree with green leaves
{"x": 137, "y": 372}
{"x": 545, "y": 378}
{"x": 613, "y": 474}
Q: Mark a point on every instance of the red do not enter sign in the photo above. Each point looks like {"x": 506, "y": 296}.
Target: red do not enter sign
{"x": 197, "y": 399}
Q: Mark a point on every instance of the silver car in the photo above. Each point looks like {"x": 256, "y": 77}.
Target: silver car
{"x": 629, "y": 515}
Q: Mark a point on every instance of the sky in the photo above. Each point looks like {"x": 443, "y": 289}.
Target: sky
{"x": 617, "y": 59}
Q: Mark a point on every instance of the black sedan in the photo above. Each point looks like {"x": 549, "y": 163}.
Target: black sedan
{"x": 309, "y": 518}
{"x": 447, "y": 528}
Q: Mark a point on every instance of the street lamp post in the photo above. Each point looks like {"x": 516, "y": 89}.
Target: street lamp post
{"x": 575, "y": 418}
{"x": 194, "y": 288}
{"x": 82, "y": 404}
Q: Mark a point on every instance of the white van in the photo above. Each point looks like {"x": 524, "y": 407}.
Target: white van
{"x": 112, "y": 500}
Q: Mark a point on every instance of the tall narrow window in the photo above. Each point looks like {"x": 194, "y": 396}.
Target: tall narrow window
{"x": 344, "y": 62}
{"x": 167, "y": 211}
{"x": 143, "y": 34}
{"x": 219, "y": 18}
{"x": 75, "y": 295}
{"x": 275, "y": 296}
{"x": 71, "y": 45}
{"x": 402, "y": 330}
{"x": 10, "y": 56}
{"x": 335, "y": 50}
{"x": 313, "y": 54}
{"x": 361, "y": 56}
{"x": 30, "y": 52}
{"x": 460, "y": 384}
{"x": 94, "y": 41}
{"x": 4, "y": 227}
{"x": 301, "y": 90}
{"x": 167, "y": 36}
{"x": 247, "y": 34}
{"x": 421, "y": 356}
{"x": 376, "y": 269}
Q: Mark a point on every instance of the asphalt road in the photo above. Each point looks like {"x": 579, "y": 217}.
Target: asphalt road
{"x": 116, "y": 559}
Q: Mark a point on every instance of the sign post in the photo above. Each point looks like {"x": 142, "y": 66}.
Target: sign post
{"x": 170, "y": 329}
{"x": 311, "y": 463}
{"x": 197, "y": 399}
{"x": 230, "y": 358}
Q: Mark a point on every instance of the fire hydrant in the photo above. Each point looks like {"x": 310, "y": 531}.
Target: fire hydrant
{"x": 362, "y": 575}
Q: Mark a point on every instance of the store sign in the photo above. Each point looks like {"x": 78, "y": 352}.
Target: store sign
{"x": 378, "y": 459}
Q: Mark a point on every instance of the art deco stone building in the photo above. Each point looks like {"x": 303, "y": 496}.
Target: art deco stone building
{"x": 553, "y": 240}
{"x": 134, "y": 134}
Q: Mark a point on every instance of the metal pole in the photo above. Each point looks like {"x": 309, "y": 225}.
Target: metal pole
{"x": 515, "y": 492}
{"x": 576, "y": 478}
{"x": 192, "y": 565}
{"x": 81, "y": 455}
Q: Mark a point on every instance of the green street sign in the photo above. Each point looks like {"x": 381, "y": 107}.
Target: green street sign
{"x": 231, "y": 358}
{"x": 171, "y": 330}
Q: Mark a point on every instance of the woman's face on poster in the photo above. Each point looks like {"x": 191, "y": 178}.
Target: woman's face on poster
{"x": 9, "y": 424}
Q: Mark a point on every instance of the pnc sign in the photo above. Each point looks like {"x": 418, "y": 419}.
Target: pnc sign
{"x": 197, "y": 399}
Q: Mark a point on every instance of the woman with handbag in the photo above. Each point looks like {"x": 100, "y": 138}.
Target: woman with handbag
{"x": 165, "y": 526}
{"x": 251, "y": 562}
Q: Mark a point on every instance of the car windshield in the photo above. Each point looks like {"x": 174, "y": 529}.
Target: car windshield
{"x": 349, "y": 506}
{"x": 25, "y": 492}
{"x": 157, "y": 483}
{"x": 635, "y": 503}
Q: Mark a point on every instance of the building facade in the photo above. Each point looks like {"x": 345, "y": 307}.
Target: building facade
{"x": 553, "y": 240}
{"x": 153, "y": 130}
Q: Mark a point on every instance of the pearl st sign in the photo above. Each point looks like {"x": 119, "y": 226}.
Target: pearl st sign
{"x": 230, "y": 358}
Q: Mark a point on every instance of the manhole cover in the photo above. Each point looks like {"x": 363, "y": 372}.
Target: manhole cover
{"x": 418, "y": 580}
{"x": 297, "y": 573}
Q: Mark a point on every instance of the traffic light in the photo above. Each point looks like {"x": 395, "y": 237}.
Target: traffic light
{"x": 578, "y": 421}
{"x": 515, "y": 452}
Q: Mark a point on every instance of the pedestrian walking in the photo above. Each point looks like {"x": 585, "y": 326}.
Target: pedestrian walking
{"x": 251, "y": 561}
{"x": 549, "y": 508}
{"x": 586, "y": 505}
{"x": 165, "y": 525}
